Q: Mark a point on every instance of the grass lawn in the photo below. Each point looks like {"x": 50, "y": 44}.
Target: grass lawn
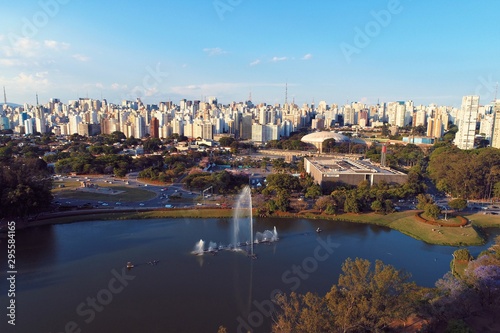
{"x": 67, "y": 186}
{"x": 484, "y": 220}
{"x": 128, "y": 194}
{"x": 138, "y": 215}
{"x": 407, "y": 224}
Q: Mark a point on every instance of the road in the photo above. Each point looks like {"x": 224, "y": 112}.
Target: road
{"x": 162, "y": 193}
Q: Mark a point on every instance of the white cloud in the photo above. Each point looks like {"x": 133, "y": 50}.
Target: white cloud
{"x": 151, "y": 92}
{"x": 55, "y": 45}
{"x": 255, "y": 62}
{"x": 214, "y": 51}
{"x": 117, "y": 86}
{"x": 30, "y": 52}
{"x": 41, "y": 75}
{"x": 276, "y": 59}
{"x": 81, "y": 57}
{"x": 11, "y": 62}
{"x": 307, "y": 56}
{"x": 30, "y": 80}
{"x": 22, "y": 47}
{"x": 220, "y": 88}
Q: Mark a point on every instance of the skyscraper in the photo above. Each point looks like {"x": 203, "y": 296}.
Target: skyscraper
{"x": 495, "y": 138}
{"x": 466, "y": 121}
{"x": 154, "y": 128}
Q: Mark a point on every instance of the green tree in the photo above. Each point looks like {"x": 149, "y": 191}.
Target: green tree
{"x": 328, "y": 145}
{"x": 25, "y": 187}
{"x": 458, "y": 326}
{"x": 388, "y": 206}
{"x": 331, "y": 209}
{"x": 369, "y": 300}
{"x": 313, "y": 191}
{"x": 432, "y": 211}
{"x": 462, "y": 254}
{"x": 226, "y": 141}
{"x": 302, "y": 313}
{"x": 234, "y": 147}
{"x": 282, "y": 181}
{"x": 365, "y": 299}
{"x": 323, "y": 202}
{"x": 376, "y": 206}
{"x": 423, "y": 200}
{"x": 282, "y": 200}
{"x": 385, "y": 130}
{"x": 117, "y": 137}
{"x": 457, "y": 204}
{"x": 351, "y": 204}
{"x": 151, "y": 145}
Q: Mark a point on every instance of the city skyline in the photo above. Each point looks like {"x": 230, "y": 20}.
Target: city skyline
{"x": 337, "y": 52}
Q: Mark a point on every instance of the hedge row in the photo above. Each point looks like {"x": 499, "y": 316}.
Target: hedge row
{"x": 463, "y": 221}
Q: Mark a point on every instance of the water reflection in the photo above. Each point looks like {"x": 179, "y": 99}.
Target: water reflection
{"x": 64, "y": 264}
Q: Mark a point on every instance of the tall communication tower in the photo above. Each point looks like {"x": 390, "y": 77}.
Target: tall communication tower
{"x": 4, "y": 96}
{"x": 383, "y": 156}
{"x": 286, "y": 93}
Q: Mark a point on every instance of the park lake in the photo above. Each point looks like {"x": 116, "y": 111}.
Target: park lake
{"x": 63, "y": 269}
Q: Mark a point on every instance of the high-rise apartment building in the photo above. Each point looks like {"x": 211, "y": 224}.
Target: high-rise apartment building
{"x": 495, "y": 137}
{"x": 154, "y": 128}
{"x": 466, "y": 121}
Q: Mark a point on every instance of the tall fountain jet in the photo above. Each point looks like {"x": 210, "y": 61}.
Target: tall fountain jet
{"x": 242, "y": 230}
{"x": 243, "y": 220}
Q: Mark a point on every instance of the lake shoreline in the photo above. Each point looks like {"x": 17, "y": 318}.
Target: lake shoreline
{"x": 403, "y": 222}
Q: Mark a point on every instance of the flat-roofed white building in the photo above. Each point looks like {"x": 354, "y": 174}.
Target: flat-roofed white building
{"x": 331, "y": 172}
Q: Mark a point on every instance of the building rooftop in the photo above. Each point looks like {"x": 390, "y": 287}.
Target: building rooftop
{"x": 336, "y": 166}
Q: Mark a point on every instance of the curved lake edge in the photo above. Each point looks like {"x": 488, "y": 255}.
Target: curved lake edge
{"x": 403, "y": 222}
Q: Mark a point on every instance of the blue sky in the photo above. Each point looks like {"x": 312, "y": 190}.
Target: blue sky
{"x": 337, "y": 51}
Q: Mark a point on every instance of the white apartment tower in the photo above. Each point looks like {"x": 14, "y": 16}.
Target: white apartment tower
{"x": 466, "y": 121}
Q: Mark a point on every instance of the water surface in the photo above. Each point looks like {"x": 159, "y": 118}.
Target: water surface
{"x": 62, "y": 269}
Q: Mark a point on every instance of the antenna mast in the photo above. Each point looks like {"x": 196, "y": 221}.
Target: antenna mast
{"x": 5, "y": 95}
{"x": 286, "y": 93}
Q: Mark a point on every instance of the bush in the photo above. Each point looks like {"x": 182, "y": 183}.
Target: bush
{"x": 462, "y": 254}
{"x": 457, "y": 326}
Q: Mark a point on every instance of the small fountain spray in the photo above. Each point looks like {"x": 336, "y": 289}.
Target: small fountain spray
{"x": 199, "y": 248}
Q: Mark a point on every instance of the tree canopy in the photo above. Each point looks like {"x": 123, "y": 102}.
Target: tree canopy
{"x": 465, "y": 174}
{"x": 366, "y": 299}
{"x": 25, "y": 187}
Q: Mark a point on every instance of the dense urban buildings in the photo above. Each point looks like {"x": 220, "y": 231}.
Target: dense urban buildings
{"x": 258, "y": 123}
